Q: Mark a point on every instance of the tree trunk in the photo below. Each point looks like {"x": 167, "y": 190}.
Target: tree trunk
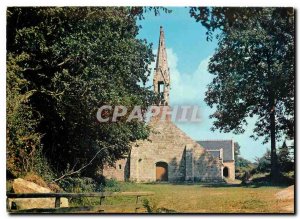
{"x": 274, "y": 165}
{"x": 272, "y": 104}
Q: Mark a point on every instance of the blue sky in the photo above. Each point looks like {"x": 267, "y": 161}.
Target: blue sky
{"x": 188, "y": 56}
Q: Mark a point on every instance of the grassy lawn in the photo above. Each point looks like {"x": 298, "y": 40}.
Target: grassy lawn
{"x": 202, "y": 198}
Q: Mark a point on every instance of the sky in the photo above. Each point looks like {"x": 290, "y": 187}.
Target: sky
{"x": 188, "y": 55}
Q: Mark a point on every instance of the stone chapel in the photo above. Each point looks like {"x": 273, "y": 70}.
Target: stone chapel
{"x": 169, "y": 155}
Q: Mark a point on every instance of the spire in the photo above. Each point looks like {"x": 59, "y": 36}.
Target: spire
{"x": 161, "y": 53}
{"x": 161, "y": 80}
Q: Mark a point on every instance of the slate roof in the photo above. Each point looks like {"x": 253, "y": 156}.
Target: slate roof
{"x": 228, "y": 149}
{"x": 216, "y": 153}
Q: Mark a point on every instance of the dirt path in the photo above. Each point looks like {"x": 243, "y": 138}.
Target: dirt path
{"x": 287, "y": 195}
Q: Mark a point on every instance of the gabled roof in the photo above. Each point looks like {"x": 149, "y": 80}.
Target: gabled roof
{"x": 227, "y": 145}
{"x": 216, "y": 153}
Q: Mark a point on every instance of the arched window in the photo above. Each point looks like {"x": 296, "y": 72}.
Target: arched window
{"x": 226, "y": 172}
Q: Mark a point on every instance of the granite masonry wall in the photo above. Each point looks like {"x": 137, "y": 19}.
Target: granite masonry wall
{"x": 187, "y": 160}
{"x": 119, "y": 171}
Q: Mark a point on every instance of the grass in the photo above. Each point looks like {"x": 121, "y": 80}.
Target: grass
{"x": 204, "y": 198}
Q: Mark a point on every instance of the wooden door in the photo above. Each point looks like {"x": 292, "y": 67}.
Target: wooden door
{"x": 161, "y": 171}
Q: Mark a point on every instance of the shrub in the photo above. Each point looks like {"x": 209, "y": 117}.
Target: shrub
{"x": 41, "y": 166}
{"x": 83, "y": 184}
{"x": 112, "y": 185}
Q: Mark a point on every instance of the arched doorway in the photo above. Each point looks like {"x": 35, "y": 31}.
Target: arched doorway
{"x": 225, "y": 172}
{"x": 161, "y": 171}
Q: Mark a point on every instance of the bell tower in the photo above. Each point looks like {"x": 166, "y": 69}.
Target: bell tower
{"x": 161, "y": 80}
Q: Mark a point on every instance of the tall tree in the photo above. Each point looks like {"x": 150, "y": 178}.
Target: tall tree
{"x": 284, "y": 158}
{"x": 22, "y": 139}
{"x": 263, "y": 164}
{"x": 254, "y": 71}
{"x": 78, "y": 59}
{"x": 239, "y": 160}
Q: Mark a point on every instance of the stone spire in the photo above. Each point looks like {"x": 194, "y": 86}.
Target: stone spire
{"x": 161, "y": 80}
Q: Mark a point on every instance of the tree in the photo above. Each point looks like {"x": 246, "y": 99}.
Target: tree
{"x": 263, "y": 164}
{"x": 240, "y": 162}
{"x": 254, "y": 71}
{"x": 22, "y": 120}
{"x": 284, "y": 159}
{"x": 78, "y": 59}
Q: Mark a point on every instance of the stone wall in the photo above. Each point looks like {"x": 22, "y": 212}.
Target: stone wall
{"x": 187, "y": 160}
{"x": 120, "y": 170}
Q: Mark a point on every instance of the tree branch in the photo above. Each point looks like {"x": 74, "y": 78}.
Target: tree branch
{"x": 70, "y": 173}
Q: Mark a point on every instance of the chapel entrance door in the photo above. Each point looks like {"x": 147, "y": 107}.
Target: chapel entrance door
{"x": 161, "y": 171}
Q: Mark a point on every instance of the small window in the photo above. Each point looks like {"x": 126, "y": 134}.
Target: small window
{"x": 120, "y": 167}
{"x": 161, "y": 87}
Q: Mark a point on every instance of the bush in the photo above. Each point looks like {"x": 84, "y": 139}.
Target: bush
{"x": 112, "y": 185}
{"x": 241, "y": 171}
{"x": 81, "y": 185}
{"x": 78, "y": 184}
{"x": 41, "y": 167}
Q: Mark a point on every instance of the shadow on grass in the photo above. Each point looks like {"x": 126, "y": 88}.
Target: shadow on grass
{"x": 154, "y": 209}
{"x": 221, "y": 185}
{"x": 202, "y": 184}
{"x": 255, "y": 183}
{"x": 266, "y": 181}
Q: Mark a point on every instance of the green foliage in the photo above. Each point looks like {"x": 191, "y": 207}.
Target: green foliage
{"x": 242, "y": 171}
{"x": 41, "y": 166}
{"x": 263, "y": 164}
{"x": 85, "y": 185}
{"x": 259, "y": 172}
{"x": 239, "y": 161}
{"x": 242, "y": 165}
{"x": 263, "y": 179}
{"x": 260, "y": 67}
{"x": 69, "y": 61}
{"x": 79, "y": 184}
{"x": 21, "y": 137}
{"x": 285, "y": 161}
{"x": 254, "y": 71}
{"x": 112, "y": 185}
{"x": 140, "y": 11}
{"x": 237, "y": 151}
{"x": 242, "y": 162}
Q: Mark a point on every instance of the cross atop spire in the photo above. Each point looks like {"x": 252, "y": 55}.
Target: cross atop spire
{"x": 161, "y": 80}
